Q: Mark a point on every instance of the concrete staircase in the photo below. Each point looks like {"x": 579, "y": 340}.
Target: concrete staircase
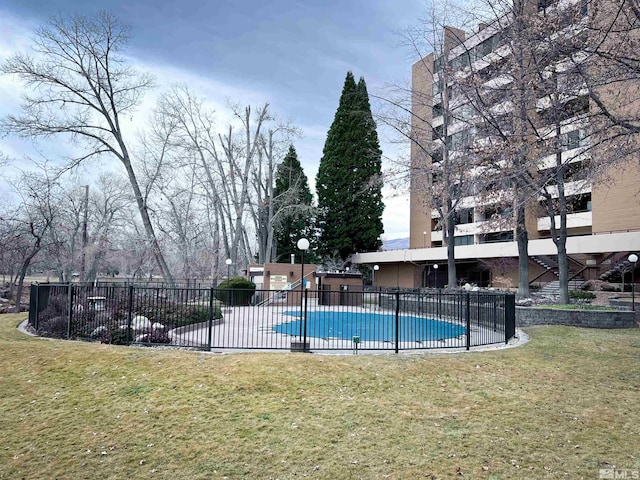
{"x": 550, "y": 264}
{"x": 618, "y": 266}
{"x": 552, "y": 289}
{"x": 545, "y": 262}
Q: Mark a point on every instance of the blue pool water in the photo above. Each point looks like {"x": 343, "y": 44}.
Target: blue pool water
{"x": 369, "y": 326}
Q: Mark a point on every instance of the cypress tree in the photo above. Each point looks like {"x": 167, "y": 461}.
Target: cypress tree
{"x": 349, "y": 177}
{"x": 292, "y": 199}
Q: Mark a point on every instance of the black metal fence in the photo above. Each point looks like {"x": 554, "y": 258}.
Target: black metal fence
{"x": 215, "y": 319}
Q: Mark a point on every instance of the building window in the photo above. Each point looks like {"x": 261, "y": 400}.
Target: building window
{"x": 487, "y": 46}
{"x": 436, "y": 156}
{"x": 573, "y": 108}
{"x": 498, "y": 211}
{"x": 438, "y": 87}
{"x": 575, "y": 204}
{"x": 493, "y": 69}
{"x": 544, "y": 4}
{"x": 584, "y": 7}
{"x": 463, "y": 240}
{"x": 574, "y": 139}
{"x": 437, "y": 65}
{"x": 461, "y": 61}
{"x": 497, "y": 237}
{"x": 580, "y": 203}
{"x": 464, "y": 216}
{"x": 573, "y": 172}
{"x": 461, "y": 140}
{"x": 463, "y": 113}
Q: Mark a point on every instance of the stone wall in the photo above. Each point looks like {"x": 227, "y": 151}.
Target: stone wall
{"x": 526, "y": 316}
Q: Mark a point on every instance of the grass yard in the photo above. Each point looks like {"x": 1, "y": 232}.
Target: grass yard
{"x": 562, "y": 406}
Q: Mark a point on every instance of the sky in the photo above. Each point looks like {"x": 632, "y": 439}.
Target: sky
{"x": 292, "y": 54}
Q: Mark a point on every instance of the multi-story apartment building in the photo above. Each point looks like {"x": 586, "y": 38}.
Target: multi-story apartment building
{"x": 467, "y": 125}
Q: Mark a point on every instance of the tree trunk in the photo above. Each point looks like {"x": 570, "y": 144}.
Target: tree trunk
{"x": 451, "y": 257}
{"x": 522, "y": 239}
{"x": 561, "y": 239}
{"x": 146, "y": 220}
{"x": 23, "y": 273}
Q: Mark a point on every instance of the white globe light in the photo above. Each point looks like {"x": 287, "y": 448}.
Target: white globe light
{"x": 376, "y": 267}
{"x": 303, "y": 244}
{"x": 435, "y": 266}
{"x": 228, "y": 261}
{"x": 633, "y": 258}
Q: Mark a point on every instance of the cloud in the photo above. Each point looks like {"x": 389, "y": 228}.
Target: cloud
{"x": 304, "y": 86}
{"x": 395, "y": 215}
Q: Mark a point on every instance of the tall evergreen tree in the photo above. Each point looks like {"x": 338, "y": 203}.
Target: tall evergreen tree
{"x": 292, "y": 199}
{"x": 349, "y": 178}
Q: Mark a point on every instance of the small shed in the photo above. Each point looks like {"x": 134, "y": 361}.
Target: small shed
{"x": 340, "y": 288}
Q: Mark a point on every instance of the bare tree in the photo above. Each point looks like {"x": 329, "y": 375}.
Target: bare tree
{"x": 234, "y": 164}
{"x": 611, "y": 66}
{"x": 29, "y": 222}
{"x": 431, "y": 117}
{"x": 265, "y": 209}
{"x": 81, "y": 87}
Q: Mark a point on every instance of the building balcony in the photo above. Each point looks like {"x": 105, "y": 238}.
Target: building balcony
{"x": 578, "y": 187}
{"x": 574, "y": 220}
{"x": 475, "y": 228}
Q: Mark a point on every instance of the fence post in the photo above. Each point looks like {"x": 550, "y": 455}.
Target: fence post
{"x": 70, "y": 309}
{"x": 210, "y": 333}
{"x": 509, "y": 317}
{"x": 468, "y": 319}
{"x": 37, "y": 306}
{"x": 495, "y": 314}
{"x": 129, "y": 313}
{"x": 397, "y": 321}
{"x": 304, "y": 340}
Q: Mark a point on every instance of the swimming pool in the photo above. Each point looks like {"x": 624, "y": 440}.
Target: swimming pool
{"x": 369, "y": 326}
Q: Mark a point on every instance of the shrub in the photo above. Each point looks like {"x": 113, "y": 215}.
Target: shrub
{"x": 196, "y": 314}
{"x": 52, "y": 321}
{"x": 600, "y": 286}
{"x": 118, "y": 305}
{"x": 55, "y": 327}
{"x": 236, "y": 291}
{"x": 86, "y": 321}
{"x": 155, "y": 336}
{"x": 581, "y": 295}
{"x": 56, "y": 307}
{"x": 178, "y": 315}
{"x": 118, "y": 336}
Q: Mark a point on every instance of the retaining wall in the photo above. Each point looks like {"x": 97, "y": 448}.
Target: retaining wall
{"x": 527, "y": 316}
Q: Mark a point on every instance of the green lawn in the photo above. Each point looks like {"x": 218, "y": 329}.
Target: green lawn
{"x": 562, "y": 406}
